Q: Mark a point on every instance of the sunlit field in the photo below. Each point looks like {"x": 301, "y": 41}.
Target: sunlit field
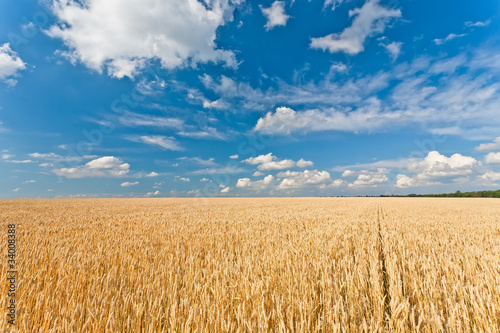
{"x": 254, "y": 265}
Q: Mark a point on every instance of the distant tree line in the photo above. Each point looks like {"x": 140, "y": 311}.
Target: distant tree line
{"x": 457, "y": 194}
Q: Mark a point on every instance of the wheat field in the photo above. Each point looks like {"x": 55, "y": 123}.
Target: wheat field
{"x": 254, "y": 265}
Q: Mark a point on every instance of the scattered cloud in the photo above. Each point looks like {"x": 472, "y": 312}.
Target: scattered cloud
{"x": 229, "y": 169}
{"x": 16, "y": 189}
{"x": 20, "y": 161}
{"x": 255, "y": 185}
{"x": 204, "y": 179}
{"x": 106, "y": 166}
{"x": 299, "y": 179}
{"x": 234, "y": 157}
{"x": 225, "y": 190}
{"x": 438, "y": 41}
{"x": 304, "y": 164}
{"x": 369, "y": 20}
{"x": 275, "y": 15}
{"x": 167, "y": 143}
{"x": 436, "y": 168}
{"x": 152, "y": 194}
{"x": 393, "y": 48}
{"x": 10, "y": 64}
{"x": 332, "y": 3}
{"x": 58, "y": 158}
{"x": 495, "y": 145}
{"x": 269, "y": 162}
{"x": 29, "y": 181}
{"x": 492, "y": 158}
{"x": 152, "y": 174}
{"x": 184, "y": 179}
{"x": 199, "y": 161}
{"x": 127, "y": 184}
{"x": 478, "y": 23}
{"x": 122, "y": 36}
{"x": 367, "y": 178}
{"x": 257, "y": 174}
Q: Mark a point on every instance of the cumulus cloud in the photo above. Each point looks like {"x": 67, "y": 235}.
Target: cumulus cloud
{"x": 121, "y": 36}
{"x": 234, "y": 157}
{"x": 492, "y": 158}
{"x": 304, "y": 164}
{"x": 127, "y": 184}
{"x": 152, "y": 174}
{"x": 167, "y": 143}
{"x": 490, "y": 176}
{"x": 369, "y": 20}
{"x": 286, "y": 120}
{"x": 367, "y": 178}
{"x": 298, "y": 179}
{"x": 184, "y": 179}
{"x": 106, "y": 166}
{"x": 10, "y": 64}
{"x": 255, "y": 185}
{"x": 275, "y": 15}
{"x": 495, "y": 145}
{"x": 225, "y": 190}
{"x": 435, "y": 168}
{"x": 270, "y": 162}
{"x": 438, "y": 41}
{"x": 204, "y": 179}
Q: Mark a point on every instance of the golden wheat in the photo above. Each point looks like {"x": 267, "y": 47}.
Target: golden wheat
{"x": 255, "y": 265}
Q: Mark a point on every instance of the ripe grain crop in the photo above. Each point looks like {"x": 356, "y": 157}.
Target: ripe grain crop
{"x": 255, "y": 265}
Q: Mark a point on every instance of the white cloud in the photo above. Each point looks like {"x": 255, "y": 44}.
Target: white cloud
{"x": 269, "y": 162}
{"x": 299, "y": 179}
{"x": 435, "y": 165}
{"x": 438, "y": 41}
{"x": 367, "y": 178}
{"x": 225, "y": 190}
{"x": 20, "y": 161}
{"x": 204, "y": 179}
{"x": 127, "y": 184}
{"x": 255, "y": 185}
{"x": 234, "y": 157}
{"x": 495, "y": 145}
{"x": 199, "y": 161}
{"x": 29, "y": 181}
{"x": 369, "y": 20}
{"x": 152, "y": 194}
{"x": 123, "y": 35}
{"x": 478, "y": 23}
{"x": 167, "y": 143}
{"x": 58, "y": 158}
{"x": 16, "y": 189}
{"x": 152, "y": 174}
{"x": 275, "y": 15}
{"x": 304, "y": 164}
{"x": 6, "y": 156}
{"x": 229, "y": 169}
{"x": 10, "y": 64}
{"x": 490, "y": 176}
{"x": 257, "y": 174}
{"x": 436, "y": 168}
{"x": 286, "y": 120}
{"x": 393, "y": 48}
{"x": 492, "y": 158}
{"x": 333, "y": 3}
{"x": 106, "y": 166}
{"x": 184, "y": 179}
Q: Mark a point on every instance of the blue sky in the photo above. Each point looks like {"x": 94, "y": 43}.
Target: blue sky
{"x": 129, "y": 98}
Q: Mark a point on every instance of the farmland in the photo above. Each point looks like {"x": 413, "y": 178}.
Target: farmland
{"x": 255, "y": 265}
